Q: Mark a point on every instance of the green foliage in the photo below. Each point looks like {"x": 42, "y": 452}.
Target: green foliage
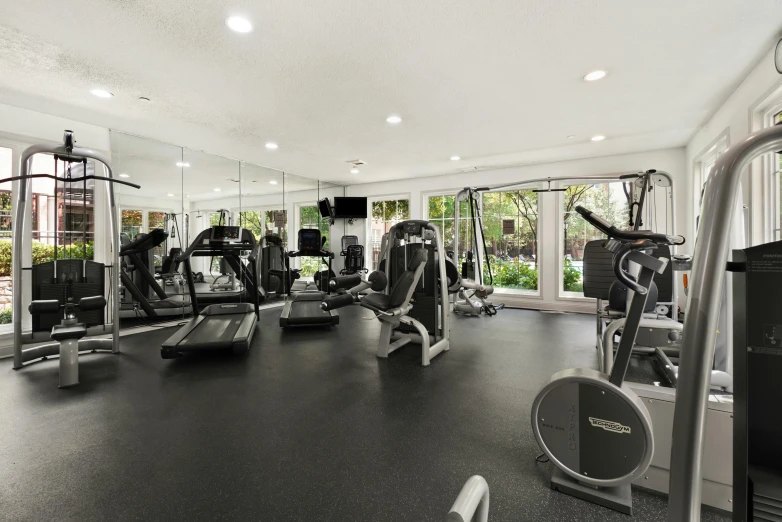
{"x": 43, "y": 253}
{"x": 6, "y": 315}
{"x": 391, "y": 211}
{"x": 514, "y": 274}
{"x": 571, "y": 277}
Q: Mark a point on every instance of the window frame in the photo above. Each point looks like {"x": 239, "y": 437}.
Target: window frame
{"x": 7, "y": 330}
{"x": 701, "y": 167}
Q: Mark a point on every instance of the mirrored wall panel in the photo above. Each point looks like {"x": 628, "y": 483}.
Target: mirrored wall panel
{"x": 151, "y": 225}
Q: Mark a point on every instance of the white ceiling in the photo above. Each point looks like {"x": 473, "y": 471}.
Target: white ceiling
{"x": 497, "y": 82}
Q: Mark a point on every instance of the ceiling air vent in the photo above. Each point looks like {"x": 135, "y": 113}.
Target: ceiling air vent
{"x": 357, "y": 162}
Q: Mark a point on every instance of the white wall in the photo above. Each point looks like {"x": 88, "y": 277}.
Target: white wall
{"x": 735, "y": 119}
{"x": 670, "y": 160}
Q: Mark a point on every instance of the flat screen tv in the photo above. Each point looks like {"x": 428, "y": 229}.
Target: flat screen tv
{"x": 350, "y": 208}
{"x": 325, "y": 208}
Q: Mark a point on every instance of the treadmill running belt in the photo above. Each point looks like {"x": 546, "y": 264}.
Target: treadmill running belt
{"x": 221, "y": 330}
{"x": 308, "y": 312}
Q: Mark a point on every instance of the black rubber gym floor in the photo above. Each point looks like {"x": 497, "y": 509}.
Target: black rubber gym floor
{"x": 310, "y": 426}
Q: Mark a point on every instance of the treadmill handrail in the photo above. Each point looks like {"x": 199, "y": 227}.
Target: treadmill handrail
{"x": 198, "y": 245}
{"x": 626, "y": 235}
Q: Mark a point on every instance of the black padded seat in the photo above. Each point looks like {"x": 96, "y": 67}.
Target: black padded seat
{"x": 378, "y": 301}
{"x": 398, "y": 295}
{"x": 70, "y": 331}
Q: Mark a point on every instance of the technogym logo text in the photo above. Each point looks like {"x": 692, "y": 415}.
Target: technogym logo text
{"x": 609, "y": 425}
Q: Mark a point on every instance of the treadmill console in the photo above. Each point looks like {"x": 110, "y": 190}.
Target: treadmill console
{"x": 226, "y": 234}
{"x": 309, "y": 239}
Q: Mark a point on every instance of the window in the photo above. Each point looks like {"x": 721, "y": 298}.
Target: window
{"x": 309, "y": 217}
{"x": 510, "y": 222}
{"x": 132, "y": 223}
{"x": 441, "y": 212}
{"x": 386, "y": 214}
{"x": 703, "y": 165}
{"x": 157, "y": 220}
{"x": 265, "y": 222}
{"x": 62, "y": 214}
{"x": 607, "y": 200}
{"x": 6, "y": 249}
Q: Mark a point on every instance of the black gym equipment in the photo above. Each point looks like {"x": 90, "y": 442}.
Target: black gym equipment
{"x": 757, "y": 365}
{"x": 165, "y": 305}
{"x": 353, "y": 253}
{"x": 592, "y": 425}
{"x": 226, "y": 326}
{"x": 303, "y": 308}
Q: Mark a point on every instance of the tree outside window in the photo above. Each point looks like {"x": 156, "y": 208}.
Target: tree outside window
{"x": 511, "y": 230}
{"x": 386, "y": 214}
{"x": 132, "y": 222}
{"x": 442, "y": 213}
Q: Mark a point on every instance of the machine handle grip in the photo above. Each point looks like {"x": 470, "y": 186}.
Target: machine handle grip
{"x": 619, "y": 260}
{"x": 49, "y": 306}
{"x": 95, "y": 302}
{"x": 339, "y": 301}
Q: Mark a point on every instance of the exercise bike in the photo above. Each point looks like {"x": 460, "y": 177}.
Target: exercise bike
{"x": 592, "y": 425}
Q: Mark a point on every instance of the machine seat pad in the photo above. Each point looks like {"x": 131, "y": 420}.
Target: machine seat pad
{"x": 70, "y": 331}
{"x": 378, "y": 301}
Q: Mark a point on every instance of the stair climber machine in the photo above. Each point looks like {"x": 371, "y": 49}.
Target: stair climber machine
{"x": 225, "y": 326}
{"x": 303, "y": 308}
{"x": 412, "y": 291}
{"x": 592, "y": 425}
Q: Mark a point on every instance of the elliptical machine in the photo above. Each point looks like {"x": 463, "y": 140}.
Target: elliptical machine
{"x": 592, "y": 425}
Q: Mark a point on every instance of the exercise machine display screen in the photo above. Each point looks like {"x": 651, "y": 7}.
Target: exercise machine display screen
{"x": 226, "y": 234}
{"x": 309, "y": 239}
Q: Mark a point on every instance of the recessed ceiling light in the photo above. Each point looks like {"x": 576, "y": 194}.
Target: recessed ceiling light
{"x": 170, "y": 195}
{"x": 218, "y": 189}
{"x": 239, "y": 24}
{"x": 598, "y": 138}
{"x": 101, "y": 93}
{"x": 394, "y": 119}
{"x": 570, "y": 137}
{"x": 455, "y": 158}
{"x": 272, "y": 146}
{"x": 273, "y": 182}
{"x": 182, "y": 164}
{"x": 354, "y": 171}
{"x": 595, "y": 75}
{"x": 124, "y": 175}
{"x": 143, "y": 98}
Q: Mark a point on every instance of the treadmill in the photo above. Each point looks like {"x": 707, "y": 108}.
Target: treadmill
{"x": 141, "y": 304}
{"x": 224, "y": 326}
{"x": 303, "y": 308}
